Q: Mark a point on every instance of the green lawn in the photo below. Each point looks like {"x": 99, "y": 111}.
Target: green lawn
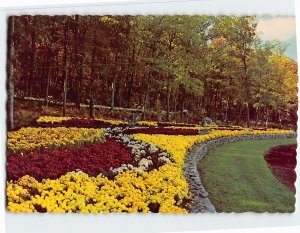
{"x": 238, "y": 179}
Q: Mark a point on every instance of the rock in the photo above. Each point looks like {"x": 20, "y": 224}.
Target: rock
{"x": 207, "y": 121}
{"x": 203, "y": 194}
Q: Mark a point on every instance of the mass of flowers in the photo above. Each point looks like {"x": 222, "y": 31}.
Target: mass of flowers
{"x": 161, "y": 130}
{"x": 30, "y": 138}
{"x": 146, "y": 123}
{"x": 178, "y": 145}
{"x": 85, "y": 122}
{"x": 79, "y": 122}
{"x": 91, "y": 159}
{"x": 113, "y": 122}
{"x": 162, "y": 190}
{"x": 52, "y": 119}
{"x": 91, "y": 170}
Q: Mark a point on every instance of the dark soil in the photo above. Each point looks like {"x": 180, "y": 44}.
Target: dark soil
{"x": 282, "y": 162}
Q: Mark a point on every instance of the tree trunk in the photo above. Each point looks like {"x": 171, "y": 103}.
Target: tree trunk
{"x": 92, "y": 78}
{"x": 158, "y": 107}
{"x": 120, "y": 102}
{"x": 182, "y": 93}
{"x": 145, "y": 104}
{"x": 267, "y": 116}
{"x": 248, "y": 115}
{"x": 66, "y": 68}
{"x": 33, "y": 56}
{"x": 130, "y": 85}
{"x": 256, "y": 116}
{"x": 168, "y": 98}
{"x": 117, "y": 89}
{"x": 240, "y": 113}
{"x": 79, "y": 88}
{"x": 247, "y": 90}
{"x": 80, "y": 42}
{"x": 146, "y": 97}
{"x": 113, "y": 93}
{"x": 11, "y": 28}
{"x": 171, "y": 38}
{"x": 228, "y": 109}
{"x": 47, "y": 85}
{"x": 91, "y": 103}
{"x": 118, "y": 93}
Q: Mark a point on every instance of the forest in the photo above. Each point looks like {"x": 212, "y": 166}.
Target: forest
{"x": 167, "y": 68}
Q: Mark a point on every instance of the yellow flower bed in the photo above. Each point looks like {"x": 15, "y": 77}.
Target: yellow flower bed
{"x": 52, "y": 119}
{"x": 78, "y": 192}
{"x": 29, "y": 139}
{"x": 211, "y": 125}
{"x": 273, "y": 131}
{"x": 147, "y": 123}
{"x": 178, "y": 145}
{"x": 113, "y": 122}
{"x": 129, "y": 191}
{"x": 236, "y": 126}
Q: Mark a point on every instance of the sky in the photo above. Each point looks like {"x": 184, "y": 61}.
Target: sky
{"x": 282, "y": 29}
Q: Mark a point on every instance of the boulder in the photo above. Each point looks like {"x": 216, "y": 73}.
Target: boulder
{"x": 207, "y": 121}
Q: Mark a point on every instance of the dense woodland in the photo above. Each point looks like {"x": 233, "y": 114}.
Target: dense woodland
{"x": 170, "y": 65}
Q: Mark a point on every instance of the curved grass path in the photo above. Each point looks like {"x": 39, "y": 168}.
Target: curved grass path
{"x": 238, "y": 179}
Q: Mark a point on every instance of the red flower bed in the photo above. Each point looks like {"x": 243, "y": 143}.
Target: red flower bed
{"x": 161, "y": 130}
{"x": 282, "y": 162}
{"x": 165, "y": 124}
{"x": 92, "y": 159}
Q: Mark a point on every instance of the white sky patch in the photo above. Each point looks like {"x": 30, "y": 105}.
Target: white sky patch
{"x": 277, "y": 28}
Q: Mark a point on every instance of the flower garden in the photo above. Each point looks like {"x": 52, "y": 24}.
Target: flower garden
{"x": 67, "y": 164}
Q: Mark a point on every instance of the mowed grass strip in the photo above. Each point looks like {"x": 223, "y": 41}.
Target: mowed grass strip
{"x": 238, "y": 179}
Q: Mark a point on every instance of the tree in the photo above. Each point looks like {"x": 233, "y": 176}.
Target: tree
{"x": 215, "y": 66}
{"x": 66, "y": 66}
{"x": 10, "y": 68}
{"x": 240, "y": 33}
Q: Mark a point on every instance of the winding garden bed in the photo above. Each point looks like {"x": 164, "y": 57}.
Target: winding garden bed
{"x": 161, "y": 130}
{"x": 86, "y": 170}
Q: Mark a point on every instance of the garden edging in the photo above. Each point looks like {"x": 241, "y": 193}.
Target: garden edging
{"x": 200, "y": 201}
